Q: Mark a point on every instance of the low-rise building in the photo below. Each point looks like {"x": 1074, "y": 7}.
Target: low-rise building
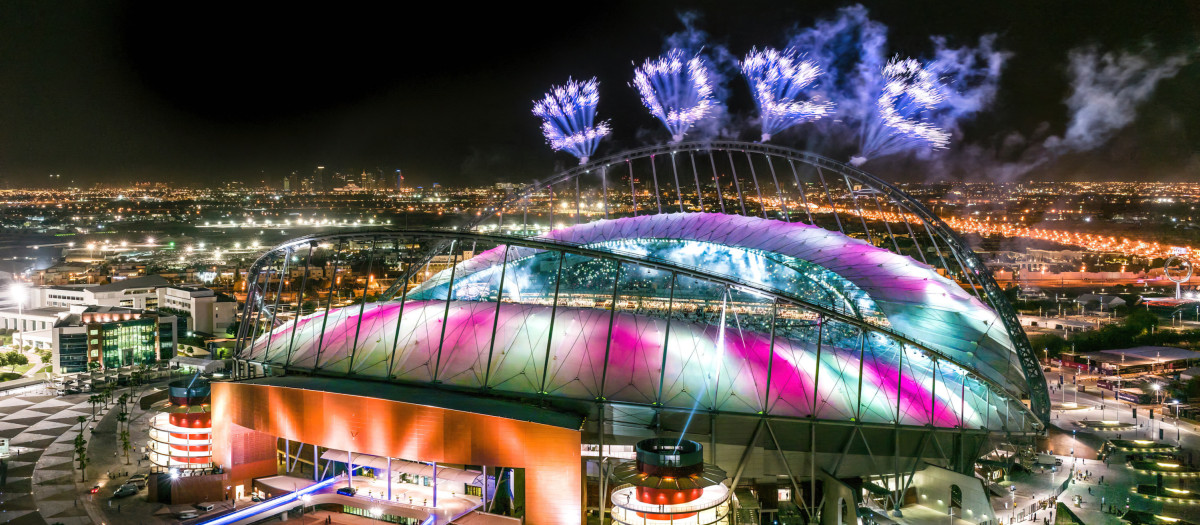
{"x": 205, "y": 310}
{"x": 109, "y": 336}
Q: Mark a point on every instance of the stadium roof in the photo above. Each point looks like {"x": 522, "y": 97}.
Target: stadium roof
{"x": 683, "y": 341}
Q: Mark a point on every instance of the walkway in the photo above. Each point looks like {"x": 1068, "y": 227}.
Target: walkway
{"x": 41, "y": 479}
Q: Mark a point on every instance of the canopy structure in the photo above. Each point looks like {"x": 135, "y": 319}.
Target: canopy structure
{"x": 717, "y": 312}
{"x": 400, "y": 466}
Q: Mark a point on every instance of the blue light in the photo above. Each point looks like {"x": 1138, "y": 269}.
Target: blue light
{"x": 268, "y": 505}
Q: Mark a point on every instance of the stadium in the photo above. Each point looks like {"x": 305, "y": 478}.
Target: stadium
{"x": 827, "y": 344}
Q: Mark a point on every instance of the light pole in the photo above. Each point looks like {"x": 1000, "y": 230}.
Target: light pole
{"x": 1175, "y": 403}
{"x": 19, "y": 293}
{"x": 1149, "y": 426}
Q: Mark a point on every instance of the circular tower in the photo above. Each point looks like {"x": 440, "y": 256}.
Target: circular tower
{"x": 181, "y": 436}
{"x": 669, "y": 483}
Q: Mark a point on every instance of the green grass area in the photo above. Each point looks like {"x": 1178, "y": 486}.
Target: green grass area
{"x": 21, "y": 369}
{"x": 7, "y": 376}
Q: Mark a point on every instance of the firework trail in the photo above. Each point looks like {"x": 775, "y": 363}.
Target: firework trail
{"x": 909, "y": 89}
{"x": 677, "y": 91}
{"x": 777, "y": 81}
{"x": 568, "y": 113}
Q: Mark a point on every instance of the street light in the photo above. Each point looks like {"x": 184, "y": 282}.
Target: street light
{"x": 19, "y": 293}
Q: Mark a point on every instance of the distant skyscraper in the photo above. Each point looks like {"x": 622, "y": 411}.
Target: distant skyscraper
{"x": 319, "y": 179}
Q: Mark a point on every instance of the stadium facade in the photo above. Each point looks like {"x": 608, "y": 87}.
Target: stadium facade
{"x": 811, "y": 357}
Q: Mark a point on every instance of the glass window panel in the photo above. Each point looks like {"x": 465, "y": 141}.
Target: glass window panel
{"x": 581, "y": 327}
{"x": 837, "y": 385}
{"x": 794, "y": 362}
{"x": 635, "y": 359}
{"x": 743, "y": 381}
{"x": 696, "y": 355}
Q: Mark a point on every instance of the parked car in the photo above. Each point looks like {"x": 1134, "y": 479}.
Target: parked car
{"x": 347, "y": 491}
{"x": 127, "y": 489}
{"x": 138, "y": 479}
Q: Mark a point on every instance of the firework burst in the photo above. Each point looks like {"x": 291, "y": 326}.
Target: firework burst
{"x": 909, "y": 89}
{"x": 777, "y": 80}
{"x": 676, "y": 90}
{"x": 568, "y": 115}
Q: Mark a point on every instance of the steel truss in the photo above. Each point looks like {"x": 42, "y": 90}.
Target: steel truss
{"x": 962, "y": 260}
{"x": 264, "y": 267}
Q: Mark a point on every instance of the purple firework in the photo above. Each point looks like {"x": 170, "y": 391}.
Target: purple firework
{"x": 568, "y": 113}
{"x": 777, "y": 80}
{"x": 676, "y": 90}
{"x": 909, "y": 89}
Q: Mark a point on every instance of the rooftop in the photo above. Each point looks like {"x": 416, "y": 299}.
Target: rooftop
{"x": 1142, "y": 355}
{"x": 148, "y": 281}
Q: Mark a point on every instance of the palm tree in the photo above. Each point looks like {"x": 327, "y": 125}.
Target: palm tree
{"x": 94, "y": 399}
{"x": 81, "y": 448}
{"x": 81, "y": 456}
{"x": 125, "y": 442}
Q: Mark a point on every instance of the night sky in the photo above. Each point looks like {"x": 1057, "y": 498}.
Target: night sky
{"x": 151, "y": 91}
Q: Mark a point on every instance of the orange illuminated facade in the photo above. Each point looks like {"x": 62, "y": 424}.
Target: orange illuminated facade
{"x": 244, "y": 413}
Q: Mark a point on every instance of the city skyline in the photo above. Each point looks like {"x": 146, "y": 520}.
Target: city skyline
{"x": 115, "y": 94}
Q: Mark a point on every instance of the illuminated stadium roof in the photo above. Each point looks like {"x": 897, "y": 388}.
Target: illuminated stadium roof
{"x": 703, "y": 311}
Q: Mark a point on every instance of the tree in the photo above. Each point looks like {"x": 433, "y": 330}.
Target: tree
{"x": 1052, "y": 344}
{"x": 94, "y": 399}
{"x": 81, "y": 456}
{"x": 81, "y": 449}
{"x": 14, "y": 359}
{"x": 18, "y": 360}
{"x": 123, "y": 417}
{"x": 135, "y": 380}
